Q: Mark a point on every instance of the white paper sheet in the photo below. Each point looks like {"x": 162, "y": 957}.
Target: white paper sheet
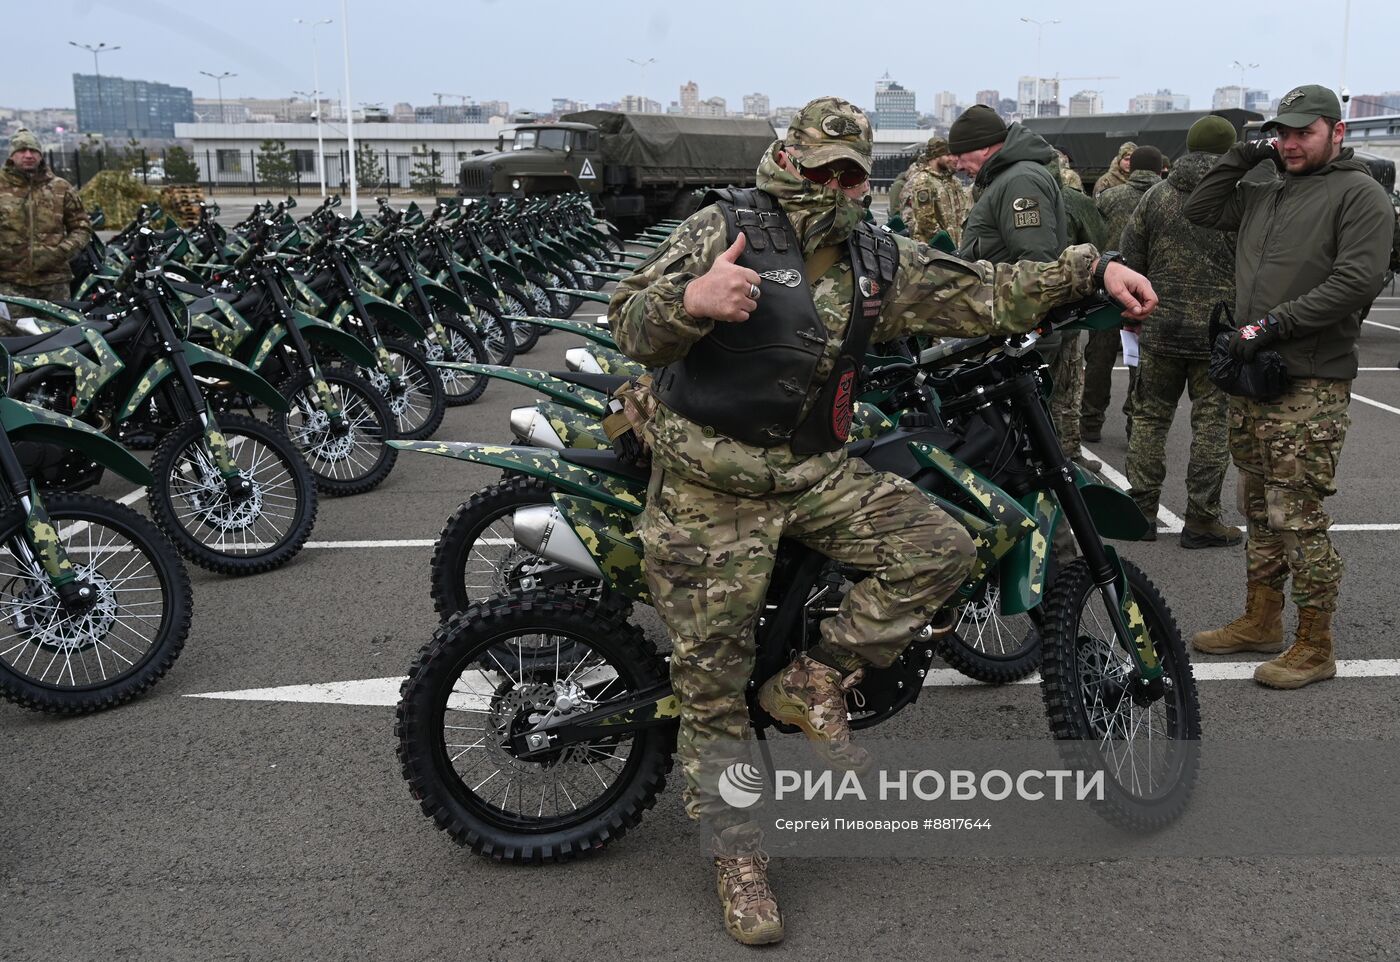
{"x": 1130, "y": 348}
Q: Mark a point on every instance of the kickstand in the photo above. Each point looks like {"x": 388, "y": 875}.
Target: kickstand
{"x": 770, "y": 771}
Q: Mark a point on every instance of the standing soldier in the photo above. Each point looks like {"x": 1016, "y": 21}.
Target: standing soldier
{"x": 1192, "y": 268}
{"x": 1310, "y": 257}
{"x": 1018, "y": 213}
{"x": 742, "y": 457}
{"x": 42, "y": 225}
{"x": 933, "y": 199}
{"x": 1117, "y": 172}
{"x": 896, "y": 199}
{"x": 1116, "y": 204}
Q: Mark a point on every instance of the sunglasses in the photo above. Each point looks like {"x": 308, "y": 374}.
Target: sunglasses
{"x": 847, "y": 177}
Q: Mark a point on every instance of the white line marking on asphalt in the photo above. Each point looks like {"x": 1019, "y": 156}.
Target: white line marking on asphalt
{"x": 1375, "y": 404}
{"x": 1386, "y": 370}
{"x": 1172, "y": 522}
{"x": 384, "y": 692}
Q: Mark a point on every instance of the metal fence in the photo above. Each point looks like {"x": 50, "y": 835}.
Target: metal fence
{"x": 251, "y": 171}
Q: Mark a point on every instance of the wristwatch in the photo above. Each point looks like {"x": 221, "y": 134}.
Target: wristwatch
{"x": 1101, "y": 268}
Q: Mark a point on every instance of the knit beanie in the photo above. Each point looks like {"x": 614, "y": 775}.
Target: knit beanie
{"x": 977, "y": 127}
{"x": 1212, "y": 134}
{"x": 1146, "y": 158}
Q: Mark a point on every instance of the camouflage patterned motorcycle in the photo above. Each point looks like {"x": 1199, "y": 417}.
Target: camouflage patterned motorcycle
{"x": 94, "y": 603}
{"x": 560, "y": 749}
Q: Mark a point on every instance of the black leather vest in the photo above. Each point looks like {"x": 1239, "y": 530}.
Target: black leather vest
{"x": 748, "y": 381}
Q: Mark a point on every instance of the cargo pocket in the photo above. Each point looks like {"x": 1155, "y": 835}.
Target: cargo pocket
{"x": 677, "y": 572}
{"x": 1319, "y": 458}
{"x": 1242, "y": 444}
{"x": 1282, "y": 442}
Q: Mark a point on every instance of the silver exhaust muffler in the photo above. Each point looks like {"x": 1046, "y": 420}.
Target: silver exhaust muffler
{"x": 543, "y": 530}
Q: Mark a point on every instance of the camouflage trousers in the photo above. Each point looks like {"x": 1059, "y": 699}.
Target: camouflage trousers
{"x": 1067, "y": 387}
{"x": 1160, "y": 381}
{"x": 1099, "y": 355}
{"x": 709, "y": 558}
{"x": 42, "y": 292}
{"x": 1286, "y": 452}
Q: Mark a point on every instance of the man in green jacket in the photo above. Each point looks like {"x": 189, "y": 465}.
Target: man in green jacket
{"x": 1310, "y": 258}
{"x": 42, "y": 225}
{"x": 1018, "y": 214}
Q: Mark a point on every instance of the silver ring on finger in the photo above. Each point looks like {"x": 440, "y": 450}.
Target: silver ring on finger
{"x": 753, "y": 291}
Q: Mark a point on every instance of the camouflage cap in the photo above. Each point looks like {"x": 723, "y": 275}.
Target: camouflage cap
{"x": 936, "y": 147}
{"x": 1302, "y": 105}
{"x": 24, "y": 139}
{"x": 829, "y": 129}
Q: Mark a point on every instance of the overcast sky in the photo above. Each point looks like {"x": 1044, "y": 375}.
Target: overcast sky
{"x": 529, "y": 52}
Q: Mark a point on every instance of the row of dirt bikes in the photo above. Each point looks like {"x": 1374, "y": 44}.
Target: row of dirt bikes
{"x": 539, "y": 722}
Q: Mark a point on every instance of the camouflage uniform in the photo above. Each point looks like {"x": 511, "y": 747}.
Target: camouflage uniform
{"x": 1069, "y": 178}
{"x": 1287, "y": 453}
{"x": 1115, "y": 176}
{"x": 1067, "y": 363}
{"x": 1116, "y": 204}
{"x": 717, "y": 507}
{"x": 42, "y": 225}
{"x": 934, "y": 200}
{"x": 1192, "y": 269}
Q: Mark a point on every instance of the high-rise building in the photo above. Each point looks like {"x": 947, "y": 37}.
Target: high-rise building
{"x": 1163, "y": 101}
{"x": 116, "y": 107}
{"x": 563, "y": 105}
{"x": 989, "y": 98}
{"x": 945, "y": 108}
{"x": 756, "y": 105}
{"x": 1049, "y": 97}
{"x": 782, "y": 117}
{"x": 1237, "y": 97}
{"x": 894, "y": 106}
{"x": 690, "y": 96}
{"x": 1086, "y": 103}
{"x": 638, "y": 104}
{"x": 711, "y": 107}
{"x": 1375, "y": 105}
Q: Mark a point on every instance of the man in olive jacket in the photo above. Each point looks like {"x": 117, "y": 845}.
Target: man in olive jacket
{"x": 1018, "y": 214}
{"x": 1310, "y": 258}
{"x": 42, "y": 225}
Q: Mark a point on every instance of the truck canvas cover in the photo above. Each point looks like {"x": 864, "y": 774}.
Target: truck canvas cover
{"x": 1093, "y": 141}
{"x": 662, "y": 147}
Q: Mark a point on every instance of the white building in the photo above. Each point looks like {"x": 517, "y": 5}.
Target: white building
{"x": 1086, "y": 103}
{"x": 1049, "y": 97}
{"x": 227, "y": 153}
{"x": 1163, "y": 101}
{"x": 637, "y": 104}
{"x": 756, "y": 105}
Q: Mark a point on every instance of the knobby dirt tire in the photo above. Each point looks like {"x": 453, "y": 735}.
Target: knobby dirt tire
{"x": 177, "y": 603}
{"x": 375, "y": 432}
{"x": 427, "y": 386}
{"x": 444, "y": 796}
{"x": 1069, "y": 654}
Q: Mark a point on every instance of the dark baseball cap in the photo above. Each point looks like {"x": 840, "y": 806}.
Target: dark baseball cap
{"x": 1302, "y": 105}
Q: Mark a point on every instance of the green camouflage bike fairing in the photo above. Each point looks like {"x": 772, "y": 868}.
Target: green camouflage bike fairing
{"x": 90, "y": 374}
{"x": 208, "y": 364}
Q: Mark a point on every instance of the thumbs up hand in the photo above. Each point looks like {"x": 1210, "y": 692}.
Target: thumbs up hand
{"x": 726, "y": 292}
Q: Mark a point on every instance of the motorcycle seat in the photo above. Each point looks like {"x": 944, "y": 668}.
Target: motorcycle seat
{"x": 48, "y": 341}
{"x": 606, "y": 462}
{"x": 607, "y": 383}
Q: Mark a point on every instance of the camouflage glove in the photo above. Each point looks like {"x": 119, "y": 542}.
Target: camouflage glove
{"x": 1253, "y": 338}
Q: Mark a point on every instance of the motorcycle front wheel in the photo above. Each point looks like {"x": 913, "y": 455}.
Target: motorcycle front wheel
{"x": 57, "y": 660}
{"x": 460, "y": 705}
{"x": 352, "y": 460}
{"x": 1148, "y": 748}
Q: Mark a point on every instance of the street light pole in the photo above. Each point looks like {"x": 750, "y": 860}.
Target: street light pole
{"x": 349, "y": 110}
{"x": 1040, "y": 26}
{"x": 219, "y": 79}
{"x": 643, "y": 65}
{"x": 316, "y": 89}
{"x": 1244, "y": 92}
{"x": 97, "y": 71}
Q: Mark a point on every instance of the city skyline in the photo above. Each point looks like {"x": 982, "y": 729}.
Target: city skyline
{"x": 656, "y": 51}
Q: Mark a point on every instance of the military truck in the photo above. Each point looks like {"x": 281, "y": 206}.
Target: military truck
{"x": 639, "y": 168}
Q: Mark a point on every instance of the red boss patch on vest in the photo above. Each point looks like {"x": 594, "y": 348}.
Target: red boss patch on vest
{"x": 841, "y": 410}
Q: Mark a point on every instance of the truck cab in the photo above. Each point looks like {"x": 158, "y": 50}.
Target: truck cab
{"x": 539, "y": 159}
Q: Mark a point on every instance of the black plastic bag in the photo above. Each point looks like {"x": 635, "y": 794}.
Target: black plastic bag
{"x": 1263, "y": 379}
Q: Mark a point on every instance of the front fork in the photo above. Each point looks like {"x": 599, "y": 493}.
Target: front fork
{"x": 42, "y": 549}
{"x": 1124, "y": 613}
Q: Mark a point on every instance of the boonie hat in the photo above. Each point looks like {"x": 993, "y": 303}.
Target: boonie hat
{"x": 1302, "y": 105}
{"x": 829, "y": 129}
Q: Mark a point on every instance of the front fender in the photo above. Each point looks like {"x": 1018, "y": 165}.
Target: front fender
{"x": 474, "y": 281}
{"x": 315, "y": 331}
{"x": 566, "y": 392}
{"x": 617, "y": 491}
{"x": 63, "y": 315}
{"x": 1115, "y": 514}
{"x": 209, "y": 364}
{"x": 506, "y": 269}
{"x": 25, "y": 422}
{"x": 446, "y": 296}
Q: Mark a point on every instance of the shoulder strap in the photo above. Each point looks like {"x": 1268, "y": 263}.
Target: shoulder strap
{"x": 821, "y": 261}
{"x": 756, "y": 213}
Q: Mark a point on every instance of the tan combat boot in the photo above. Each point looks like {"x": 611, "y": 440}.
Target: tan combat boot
{"x": 1259, "y": 629}
{"x": 812, "y": 696}
{"x": 751, "y": 912}
{"x": 1310, "y": 657}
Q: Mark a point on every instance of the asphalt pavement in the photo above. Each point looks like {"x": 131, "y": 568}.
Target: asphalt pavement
{"x": 193, "y": 828}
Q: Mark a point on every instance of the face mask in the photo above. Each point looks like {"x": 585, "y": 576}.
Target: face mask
{"x": 821, "y": 216}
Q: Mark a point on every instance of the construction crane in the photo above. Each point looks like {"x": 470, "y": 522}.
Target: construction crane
{"x": 463, "y": 97}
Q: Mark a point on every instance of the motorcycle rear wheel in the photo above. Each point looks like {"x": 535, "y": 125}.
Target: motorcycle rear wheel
{"x": 458, "y": 704}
